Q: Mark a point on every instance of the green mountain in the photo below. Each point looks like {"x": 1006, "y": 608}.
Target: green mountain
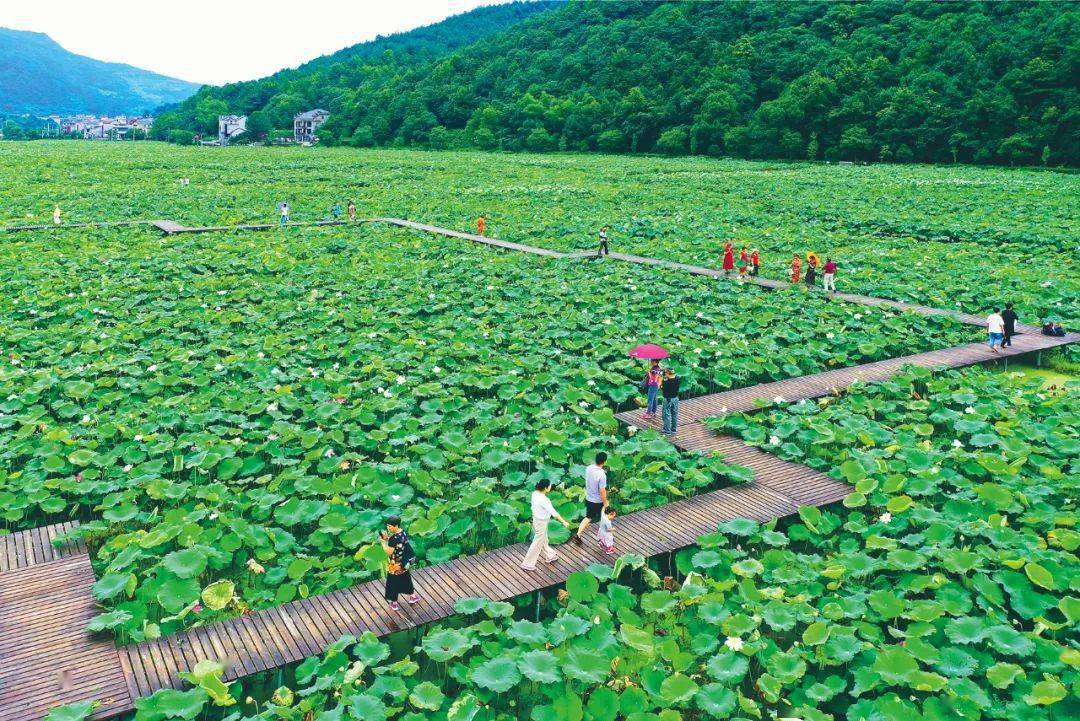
{"x": 886, "y": 80}
{"x": 39, "y": 77}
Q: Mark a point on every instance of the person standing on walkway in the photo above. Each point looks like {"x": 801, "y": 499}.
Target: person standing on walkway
{"x": 796, "y": 268}
{"x": 400, "y": 555}
{"x": 284, "y": 208}
{"x": 351, "y": 210}
{"x": 829, "y": 278}
{"x": 596, "y": 498}
{"x": 651, "y": 383}
{"x": 542, "y": 512}
{"x": 744, "y": 262}
{"x": 603, "y": 249}
{"x": 729, "y": 258}
{"x": 755, "y": 263}
{"x": 336, "y": 211}
{"x": 605, "y": 533}
{"x": 1010, "y": 318}
{"x": 480, "y": 225}
{"x": 995, "y": 329}
{"x": 670, "y": 410}
{"x": 56, "y": 215}
{"x": 811, "y": 272}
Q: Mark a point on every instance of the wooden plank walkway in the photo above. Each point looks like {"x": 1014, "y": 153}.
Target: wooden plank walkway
{"x": 835, "y": 381}
{"x": 47, "y": 658}
{"x": 270, "y": 638}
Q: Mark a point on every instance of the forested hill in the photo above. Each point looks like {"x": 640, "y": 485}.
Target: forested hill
{"x": 890, "y": 80}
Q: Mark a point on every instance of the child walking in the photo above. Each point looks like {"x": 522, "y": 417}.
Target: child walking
{"x": 605, "y": 533}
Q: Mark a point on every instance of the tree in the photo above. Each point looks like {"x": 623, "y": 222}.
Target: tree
{"x": 673, "y": 141}
{"x": 12, "y": 130}
{"x": 541, "y": 141}
{"x": 855, "y": 143}
{"x": 258, "y": 125}
{"x": 611, "y": 141}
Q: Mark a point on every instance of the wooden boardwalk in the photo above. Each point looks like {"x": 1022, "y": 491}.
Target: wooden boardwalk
{"x": 46, "y": 656}
{"x": 834, "y": 382}
{"x": 293, "y": 631}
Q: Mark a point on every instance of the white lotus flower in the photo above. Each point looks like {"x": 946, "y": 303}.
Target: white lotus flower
{"x": 330, "y": 453}
{"x": 138, "y": 436}
{"x": 774, "y": 440}
{"x": 272, "y": 437}
{"x": 314, "y": 373}
{"x": 957, "y": 443}
{"x": 86, "y": 419}
{"x": 830, "y": 335}
{"x": 272, "y": 408}
{"x": 885, "y": 517}
{"x": 151, "y": 368}
{"x": 219, "y": 367}
{"x": 858, "y": 316}
{"x": 734, "y": 643}
{"x": 436, "y": 369}
{"x": 778, "y": 399}
{"x": 596, "y": 620}
{"x": 261, "y": 354}
{"x": 128, "y": 467}
{"x": 632, "y": 430}
{"x": 401, "y": 380}
{"x": 969, "y": 409}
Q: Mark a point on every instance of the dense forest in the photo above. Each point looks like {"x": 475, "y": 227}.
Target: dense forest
{"x": 888, "y": 80}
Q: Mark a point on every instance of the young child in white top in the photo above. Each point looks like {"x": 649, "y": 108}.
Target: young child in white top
{"x": 605, "y": 533}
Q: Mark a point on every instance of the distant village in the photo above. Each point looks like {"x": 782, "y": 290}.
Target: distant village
{"x": 230, "y": 128}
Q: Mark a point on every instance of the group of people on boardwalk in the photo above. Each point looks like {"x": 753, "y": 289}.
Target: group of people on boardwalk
{"x": 828, "y": 275}
{"x": 285, "y": 210}
{"x": 661, "y": 387}
{"x": 597, "y": 510}
{"x": 1001, "y": 327}
{"x": 749, "y": 262}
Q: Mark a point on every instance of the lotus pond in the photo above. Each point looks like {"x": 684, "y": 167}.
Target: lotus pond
{"x": 951, "y": 237}
{"x": 239, "y": 412}
{"x": 945, "y": 588}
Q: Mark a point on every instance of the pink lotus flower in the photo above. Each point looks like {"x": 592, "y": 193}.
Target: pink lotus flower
{"x": 78, "y": 476}
{"x": 197, "y": 608}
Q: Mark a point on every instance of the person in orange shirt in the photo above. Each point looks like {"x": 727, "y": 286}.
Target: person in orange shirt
{"x": 754, "y": 263}
{"x": 796, "y": 268}
{"x": 480, "y": 225}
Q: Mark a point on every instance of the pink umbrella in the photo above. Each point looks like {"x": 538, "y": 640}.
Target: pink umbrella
{"x": 649, "y": 351}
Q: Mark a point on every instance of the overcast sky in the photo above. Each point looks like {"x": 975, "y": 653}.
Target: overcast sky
{"x": 225, "y": 41}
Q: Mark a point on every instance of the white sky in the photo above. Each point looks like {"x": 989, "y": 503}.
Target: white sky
{"x": 223, "y": 41}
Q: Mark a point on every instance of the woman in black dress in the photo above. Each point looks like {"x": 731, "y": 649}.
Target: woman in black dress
{"x": 400, "y": 557}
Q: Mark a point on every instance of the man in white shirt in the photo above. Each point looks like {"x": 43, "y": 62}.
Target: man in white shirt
{"x": 995, "y": 327}
{"x": 595, "y": 495}
{"x": 542, "y": 512}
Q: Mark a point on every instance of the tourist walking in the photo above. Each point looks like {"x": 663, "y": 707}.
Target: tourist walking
{"x": 400, "y": 555}
{"x": 605, "y": 532}
{"x": 755, "y": 263}
{"x": 56, "y": 215}
{"x": 796, "y": 268}
{"x": 670, "y": 410}
{"x": 284, "y": 208}
{"x": 651, "y": 384}
{"x": 744, "y": 262}
{"x": 480, "y": 225}
{"x": 603, "y": 249}
{"x": 995, "y": 329}
{"x": 811, "y": 273}
{"x": 595, "y": 494}
{"x": 1009, "y": 316}
{"x": 351, "y": 210}
{"x": 542, "y": 512}
{"x": 336, "y": 211}
{"x": 729, "y": 258}
{"x": 829, "y": 278}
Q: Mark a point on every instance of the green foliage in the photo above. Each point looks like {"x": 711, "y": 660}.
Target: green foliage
{"x": 905, "y": 81}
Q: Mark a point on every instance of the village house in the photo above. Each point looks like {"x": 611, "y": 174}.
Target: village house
{"x": 229, "y": 126}
{"x": 306, "y": 124}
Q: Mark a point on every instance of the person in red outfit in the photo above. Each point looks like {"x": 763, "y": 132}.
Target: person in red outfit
{"x": 480, "y": 225}
{"x": 796, "y": 268}
{"x": 754, "y": 263}
{"x": 729, "y": 258}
